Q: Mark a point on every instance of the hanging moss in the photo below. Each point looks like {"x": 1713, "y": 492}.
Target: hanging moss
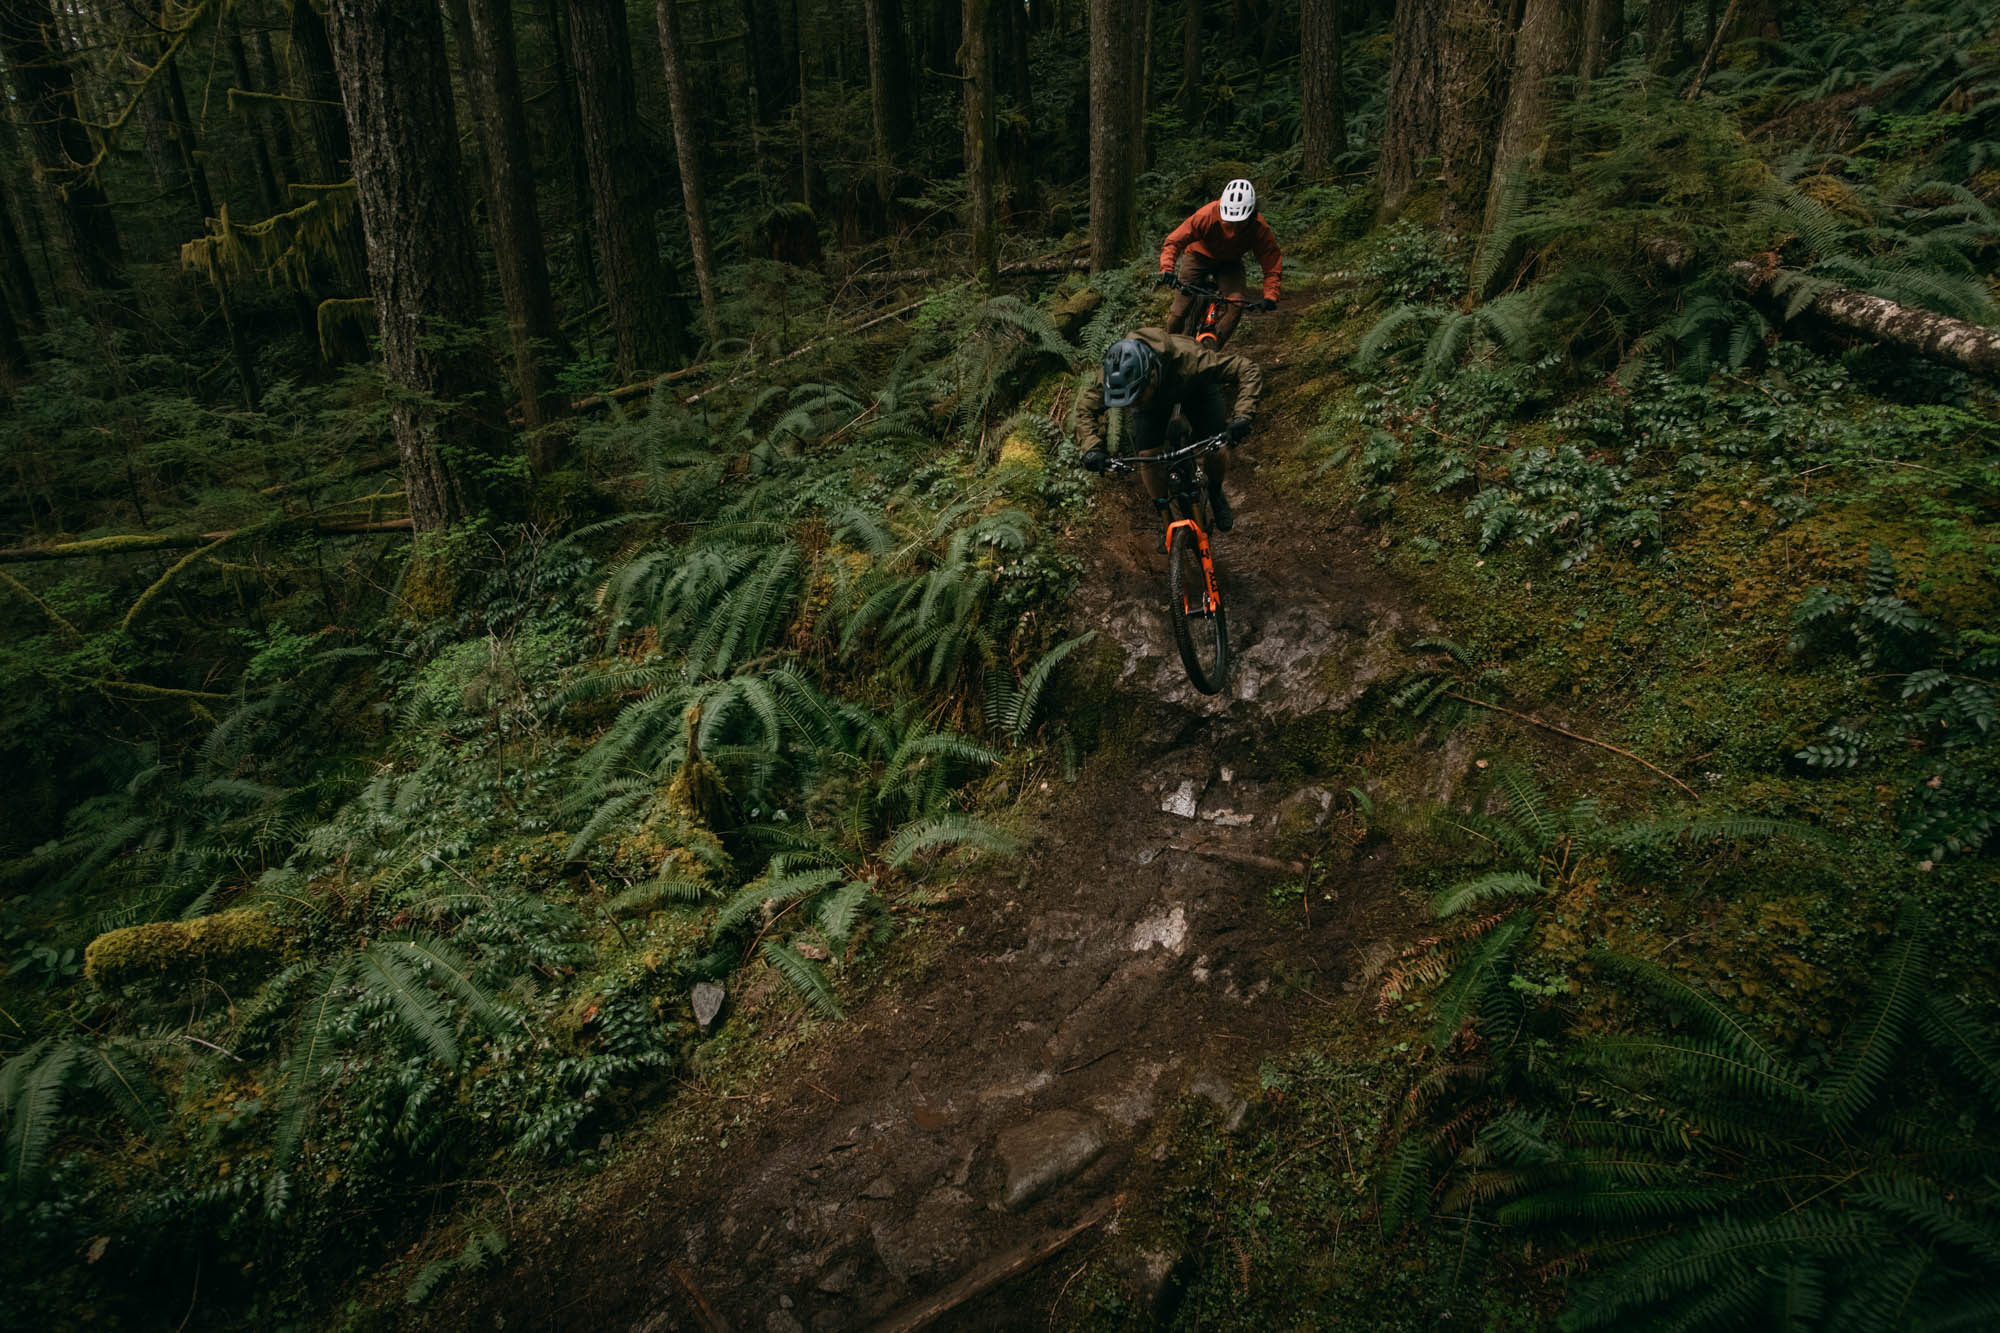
{"x": 232, "y": 943}
{"x": 282, "y": 248}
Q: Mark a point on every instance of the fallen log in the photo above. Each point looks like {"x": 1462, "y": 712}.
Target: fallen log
{"x": 1940, "y": 338}
{"x": 132, "y": 543}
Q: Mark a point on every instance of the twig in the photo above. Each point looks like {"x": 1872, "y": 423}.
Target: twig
{"x": 710, "y": 1320}
{"x": 822, "y": 1092}
{"x": 1261, "y": 862}
{"x": 1576, "y": 736}
{"x": 189, "y": 1036}
{"x": 992, "y": 1273}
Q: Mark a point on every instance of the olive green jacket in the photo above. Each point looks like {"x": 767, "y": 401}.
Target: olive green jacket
{"x": 1184, "y": 363}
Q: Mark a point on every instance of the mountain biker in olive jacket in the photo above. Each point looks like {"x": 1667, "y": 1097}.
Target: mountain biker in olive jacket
{"x": 1207, "y": 251}
{"x": 1145, "y": 376}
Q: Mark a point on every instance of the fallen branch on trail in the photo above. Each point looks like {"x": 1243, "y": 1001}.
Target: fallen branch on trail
{"x": 1575, "y": 736}
{"x": 1940, "y": 338}
{"x": 992, "y": 1273}
{"x": 1253, "y": 859}
{"x": 132, "y": 543}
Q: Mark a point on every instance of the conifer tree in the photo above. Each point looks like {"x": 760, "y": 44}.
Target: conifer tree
{"x": 1321, "y": 111}
{"x": 687, "y": 150}
{"x": 397, "y": 91}
{"x": 1113, "y": 220}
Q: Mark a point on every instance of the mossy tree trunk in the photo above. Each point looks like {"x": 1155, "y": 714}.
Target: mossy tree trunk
{"x": 687, "y": 151}
{"x": 46, "y": 88}
{"x": 581, "y": 252}
{"x": 194, "y": 174}
{"x": 1472, "y": 78}
{"x": 627, "y": 245}
{"x": 1321, "y": 108}
{"x": 391, "y": 61}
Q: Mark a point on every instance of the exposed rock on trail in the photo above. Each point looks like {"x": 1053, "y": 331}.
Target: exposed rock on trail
{"x": 1132, "y": 956}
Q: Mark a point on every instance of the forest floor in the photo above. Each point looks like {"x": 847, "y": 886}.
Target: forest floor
{"x": 1009, "y": 1085}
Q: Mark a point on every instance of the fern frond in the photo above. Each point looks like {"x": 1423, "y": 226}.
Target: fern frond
{"x": 422, "y": 1013}
{"x": 754, "y": 896}
{"x": 804, "y": 979}
{"x": 950, "y": 830}
{"x": 1871, "y": 1045}
{"x": 1502, "y": 884}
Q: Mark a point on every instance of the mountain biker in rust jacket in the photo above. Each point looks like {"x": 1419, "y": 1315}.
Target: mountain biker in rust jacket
{"x": 1148, "y": 373}
{"x": 1207, "y": 250}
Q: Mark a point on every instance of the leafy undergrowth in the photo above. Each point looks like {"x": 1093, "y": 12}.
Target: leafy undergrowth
{"x": 414, "y": 920}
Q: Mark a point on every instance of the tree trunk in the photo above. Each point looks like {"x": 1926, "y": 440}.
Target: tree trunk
{"x": 181, "y": 129}
{"x": 581, "y": 253}
{"x": 977, "y": 70}
{"x": 805, "y": 133}
{"x": 493, "y": 86}
{"x": 269, "y": 194}
{"x": 1142, "y": 87}
{"x": 1112, "y": 215}
{"x": 1665, "y": 48}
{"x": 1320, "y": 106}
{"x": 284, "y": 151}
{"x": 1191, "y": 54}
{"x": 764, "y": 38}
{"x": 1599, "y": 35}
{"x": 888, "y": 88}
{"x": 1940, "y": 338}
{"x": 46, "y": 88}
{"x": 1472, "y": 74}
{"x": 687, "y": 150}
{"x": 1410, "y": 120}
{"x": 320, "y": 85}
{"x": 627, "y": 245}
{"x": 391, "y": 61}
{"x": 17, "y": 276}
{"x": 1545, "y": 50}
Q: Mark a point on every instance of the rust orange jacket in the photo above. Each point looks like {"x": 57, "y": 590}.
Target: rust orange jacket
{"x": 1202, "y": 233}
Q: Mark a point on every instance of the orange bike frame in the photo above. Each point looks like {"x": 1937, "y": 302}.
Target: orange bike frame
{"x": 1213, "y": 594}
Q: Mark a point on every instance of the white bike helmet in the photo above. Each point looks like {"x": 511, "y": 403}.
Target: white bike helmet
{"x": 1239, "y": 200}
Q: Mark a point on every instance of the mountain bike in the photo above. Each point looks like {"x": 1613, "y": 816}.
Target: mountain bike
{"x": 1206, "y": 311}
{"x": 1194, "y": 589}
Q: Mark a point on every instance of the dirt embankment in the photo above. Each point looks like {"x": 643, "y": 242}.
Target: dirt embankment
{"x": 964, "y": 1122}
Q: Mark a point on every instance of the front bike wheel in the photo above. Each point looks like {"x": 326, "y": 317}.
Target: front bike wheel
{"x": 1201, "y": 629}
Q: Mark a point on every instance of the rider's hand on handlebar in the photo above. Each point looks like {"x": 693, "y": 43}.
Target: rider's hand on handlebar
{"x": 1094, "y": 460}
{"x": 1169, "y": 280}
{"x": 1238, "y": 430}
{"x": 1268, "y": 303}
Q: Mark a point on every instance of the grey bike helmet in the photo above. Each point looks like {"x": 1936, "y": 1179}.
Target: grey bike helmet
{"x": 1129, "y": 365}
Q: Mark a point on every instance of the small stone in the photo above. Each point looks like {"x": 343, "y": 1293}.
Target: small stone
{"x": 836, "y": 1280}
{"x": 880, "y": 1188}
{"x": 780, "y": 1322}
{"x": 707, "y": 999}
{"x": 1045, "y": 1152}
{"x": 1184, "y": 802}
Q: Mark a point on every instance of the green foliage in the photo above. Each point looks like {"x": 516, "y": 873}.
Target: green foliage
{"x": 35, "y": 1083}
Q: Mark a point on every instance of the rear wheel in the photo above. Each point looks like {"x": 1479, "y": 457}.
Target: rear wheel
{"x": 1201, "y": 630}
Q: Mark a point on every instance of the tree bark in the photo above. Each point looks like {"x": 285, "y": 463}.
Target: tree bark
{"x": 493, "y": 86}
{"x": 181, "y": 128}
{"x": 1472, "y": 74}
{"x": 320, "y": 84}
{"x": 397, "y": 90}
{"x": 634, "y": 280}
{"x": 1191, "y": 54}
{"x": 1545, "y": 50}
{"x": 46, "y": 87}
{"x": 888, "y": 88}
{"x": 1665, "y": 47}
{"x": 687, "y": 151}
{"x": 1599, "y": 34}
{"x": 270, "y": 195}
{"x": 1410, "y": 120}
{"x": 1321, "y": 108}
{"x": 979, "y": 131}
{"x": 1112, "y": 214}
{"x": 581, "y": 253}
{"x": 1940, "y": 338}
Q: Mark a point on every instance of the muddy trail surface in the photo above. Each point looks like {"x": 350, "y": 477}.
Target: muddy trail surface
{"x": 911, "y": 1166}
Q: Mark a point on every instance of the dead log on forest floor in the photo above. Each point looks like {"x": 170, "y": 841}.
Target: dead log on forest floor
{"x": 1939, "y": 338}
{"x": 131, "y": 543}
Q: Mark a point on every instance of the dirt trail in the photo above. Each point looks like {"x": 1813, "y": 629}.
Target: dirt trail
{"x": 1128, "y": 959}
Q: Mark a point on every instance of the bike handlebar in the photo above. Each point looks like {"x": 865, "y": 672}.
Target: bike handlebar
{"x": 1248, "y": 303}
{"x": 1118, "y": 467}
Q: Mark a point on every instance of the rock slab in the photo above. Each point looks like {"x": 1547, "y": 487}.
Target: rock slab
{"x": 1045, "y": 1152}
